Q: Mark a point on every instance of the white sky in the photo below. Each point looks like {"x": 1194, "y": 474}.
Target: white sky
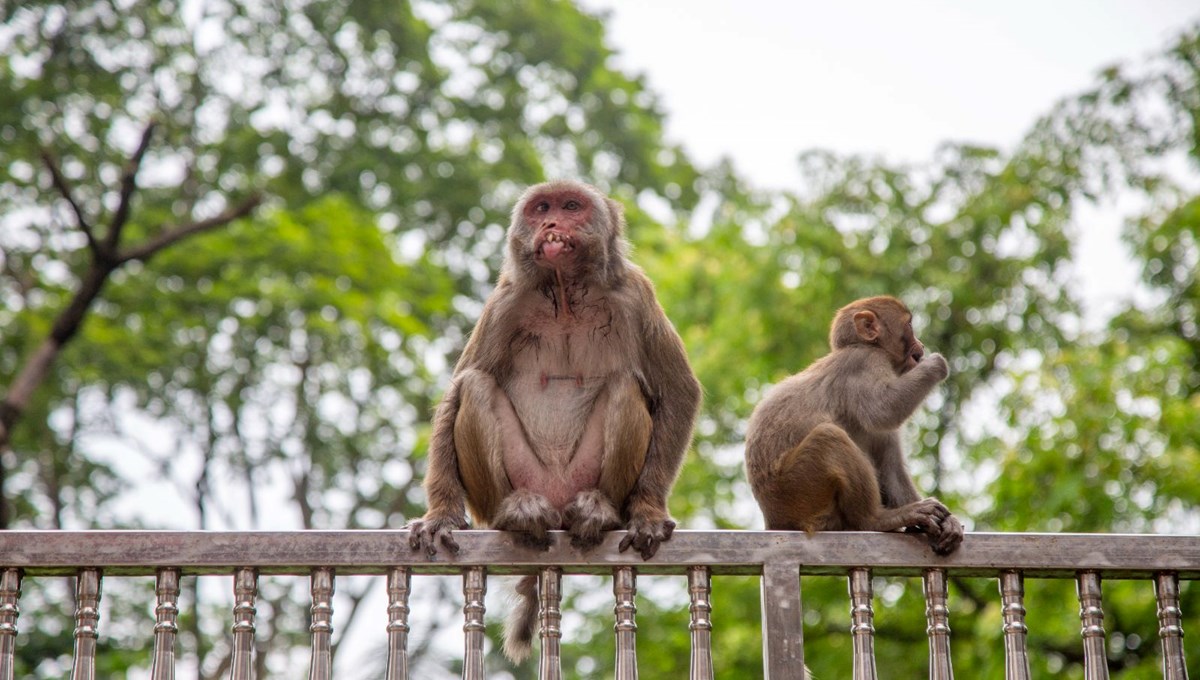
{"x": 761, "y": 80}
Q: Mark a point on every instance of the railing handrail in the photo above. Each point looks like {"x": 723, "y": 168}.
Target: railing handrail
{"x": 142, "y": 552}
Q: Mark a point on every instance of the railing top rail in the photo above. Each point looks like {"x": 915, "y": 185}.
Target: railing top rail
{"x": 726, "y": 552}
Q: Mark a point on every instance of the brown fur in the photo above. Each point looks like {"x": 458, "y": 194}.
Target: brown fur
{"x": 823, "y": 448}
{"x": 573, "y": 402}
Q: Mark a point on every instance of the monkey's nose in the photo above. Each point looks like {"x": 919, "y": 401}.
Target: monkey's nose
{"x": 917, "y": 353}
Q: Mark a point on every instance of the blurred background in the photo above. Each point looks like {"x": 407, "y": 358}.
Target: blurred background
{"x": 241, "y": 244}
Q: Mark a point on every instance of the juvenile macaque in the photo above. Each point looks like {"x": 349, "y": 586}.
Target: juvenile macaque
{"x": 572, "y": 404}
{"x": 823, "y": 447}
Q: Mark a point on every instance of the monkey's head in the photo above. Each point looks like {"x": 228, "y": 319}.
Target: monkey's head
{"x": 882, "y": 322}
{"x": 568, "y": 229}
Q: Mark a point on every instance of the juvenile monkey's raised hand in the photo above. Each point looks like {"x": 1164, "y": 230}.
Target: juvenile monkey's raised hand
{"x": 823, "y": 448}
{"x": 936, "y": 365}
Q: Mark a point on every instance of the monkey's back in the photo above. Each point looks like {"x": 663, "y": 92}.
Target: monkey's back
{"x": 792, "y": 408}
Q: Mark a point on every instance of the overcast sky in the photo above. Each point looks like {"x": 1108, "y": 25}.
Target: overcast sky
{"x": 760, "y": 81}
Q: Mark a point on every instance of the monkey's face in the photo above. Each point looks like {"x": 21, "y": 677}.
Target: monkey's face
{"x": 913, "y": 350}
{"x": 560, "y": 227}
{"x": 881, "y": 321}
{"x": 899, "y": 339}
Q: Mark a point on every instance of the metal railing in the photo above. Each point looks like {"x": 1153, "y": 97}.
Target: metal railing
{"x": 780, "y": 558}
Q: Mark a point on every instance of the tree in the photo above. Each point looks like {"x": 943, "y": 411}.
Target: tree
{"x": 295, "y": 356}
{"x": 290, "y": 359}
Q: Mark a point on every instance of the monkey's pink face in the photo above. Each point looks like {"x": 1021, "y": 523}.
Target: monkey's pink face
{"x": 558, "y": 220}
{"x": 914, "y": 351}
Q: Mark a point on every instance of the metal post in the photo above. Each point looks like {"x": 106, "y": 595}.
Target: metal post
{"x": 245, "y": 590}
{"x": 783, "y": 622}
{"x": 1091, "y": 615}
{"x": 321, "y": 664}
{"x": 399, "y": 580}
{"x": 862, "y": 624}
{"x": 474, "y": 588}
{"x": 10, "y": 609}
{"x": 700, "y": 589}
{"x": 1170, "y": 625}
{"x": 1012, "y": 599}
{"x": 166, "y": 624}
{"x": 937, "y": 614}
{"x": 550, "y": 615}
{"x": 625, "y": 591}
{"x": 87, "y": 622}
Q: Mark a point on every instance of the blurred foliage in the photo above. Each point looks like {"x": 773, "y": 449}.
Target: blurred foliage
{"x": 280, "y": 373}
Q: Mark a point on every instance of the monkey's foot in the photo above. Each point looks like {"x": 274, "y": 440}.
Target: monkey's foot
{"x": 645, "y": 534}
{"x": 587, "y": 517}
{"x": 530, "y": 516}
{"x": 923, "y": 516}
{"x": 947, "y": 537}
{"x": 427, "y": 532}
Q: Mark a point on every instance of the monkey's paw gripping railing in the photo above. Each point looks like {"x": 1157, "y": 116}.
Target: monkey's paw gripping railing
{"x": 780, "y": 558}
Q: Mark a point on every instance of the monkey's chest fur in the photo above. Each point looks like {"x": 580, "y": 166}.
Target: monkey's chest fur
{"x": 564, "y": 366}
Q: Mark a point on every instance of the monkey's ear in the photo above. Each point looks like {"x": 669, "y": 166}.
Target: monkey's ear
{"x": 618, "y": 214}
{"x": 866, "y": 324}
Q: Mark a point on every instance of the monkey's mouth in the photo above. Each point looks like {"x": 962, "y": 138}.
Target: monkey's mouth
{"x": 912, "y": 359}
{"x": 553, "y": 246}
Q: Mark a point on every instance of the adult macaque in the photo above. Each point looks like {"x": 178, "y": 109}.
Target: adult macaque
{"x": 823, "y": 447}
{"x": 572, "y": 404}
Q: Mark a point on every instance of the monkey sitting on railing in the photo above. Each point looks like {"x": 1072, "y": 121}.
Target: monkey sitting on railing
{"x": 823, "y": 447}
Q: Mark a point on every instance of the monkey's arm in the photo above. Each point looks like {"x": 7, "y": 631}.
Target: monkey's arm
{"x": 673, "y": 398}
{"x": 895, "y": 484}
{"x": 884, "y": 400}
{"x": 444, "y": 490}
{"x": 443, "y": 483}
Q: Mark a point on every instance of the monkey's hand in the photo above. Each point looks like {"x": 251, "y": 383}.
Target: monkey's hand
{"x": 936, "y": 365}
{"x": 430, "y": 530}
{"x": 947, "y": 538}
{"x": 646, "y": 532}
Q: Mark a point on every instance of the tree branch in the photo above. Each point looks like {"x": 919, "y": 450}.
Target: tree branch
{"x": 64, "y": 188}
{"x": 128, "y": 186}
{"x": 170, "y": 236}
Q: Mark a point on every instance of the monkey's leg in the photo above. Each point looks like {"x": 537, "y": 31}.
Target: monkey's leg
{"x": 594, "y": 509}
{"x": 493, "y": 455}
{"x": 807, "y": 482}
{"x": 620, "y": 434}
{"x": 827, "y": 482}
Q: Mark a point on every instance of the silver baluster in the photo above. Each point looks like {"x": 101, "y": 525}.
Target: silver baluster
{"x": 550, "y": 615}
{"x": 1091, "y": 615}
{"x": 166, "y": 624}
{"x": 625, "y": 591}
{"x": 700, "y": 589}
{"x": 10, "y": 609}
{"x": 1012, "y": 599}
{"x": 937, "y": 615}
{"x": 87, "y": 622}
{"x": 321, "y": 665}
{"x": 399, "y": 580}
{"x": 862, "y": 624}
{"x": 245, "y": 590}
{"x": 782, "y": 622}
{"x": 1170, "y": 625}
{"x": 474, "y": 588}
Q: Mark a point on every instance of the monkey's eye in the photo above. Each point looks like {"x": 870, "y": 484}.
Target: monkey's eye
{"x": 542, "y": 206}
{"x": 572, "y": 204}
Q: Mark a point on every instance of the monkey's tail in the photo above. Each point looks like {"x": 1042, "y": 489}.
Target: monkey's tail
{"x": 522, "y": 620}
